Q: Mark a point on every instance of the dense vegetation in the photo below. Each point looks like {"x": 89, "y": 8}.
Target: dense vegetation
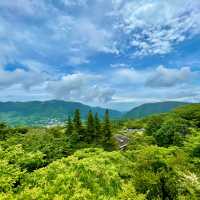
{"x": 82, "y": 160}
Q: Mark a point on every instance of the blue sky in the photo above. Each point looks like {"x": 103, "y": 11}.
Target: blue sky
{"x": 116, "y": 53}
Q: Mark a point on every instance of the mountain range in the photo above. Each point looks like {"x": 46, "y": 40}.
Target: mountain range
{"x": 153, "y": 108}
{"x": 46, "y": 112}
{"x": 57, "y": 111}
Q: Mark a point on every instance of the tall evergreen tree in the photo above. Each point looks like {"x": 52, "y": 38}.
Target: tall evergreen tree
{"x": 90, "y": 135}
{"x": 77, "y": 120}
{"x": 73, "y": 136}
{"x": 107, "y": 128}
{"x": 98, "y": 128}
{"x": 78, "y": 124}
{"x": 69, "y": 130}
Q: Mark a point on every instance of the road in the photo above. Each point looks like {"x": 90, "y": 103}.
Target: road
{"x": 122, "y": 141}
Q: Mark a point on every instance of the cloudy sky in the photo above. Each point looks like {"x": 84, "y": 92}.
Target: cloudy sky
{"x": 111, "y": 53}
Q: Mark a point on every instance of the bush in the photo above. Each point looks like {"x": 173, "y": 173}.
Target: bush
{"x": 171, "y": 132}
{"x": 191, "y": 113}
{"x": 154, "y": 124}
{"x": 89, "y": 174}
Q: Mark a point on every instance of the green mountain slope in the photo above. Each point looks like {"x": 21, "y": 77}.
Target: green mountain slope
{"x": 153, "y": 108}
{"x": 47, "y": 112}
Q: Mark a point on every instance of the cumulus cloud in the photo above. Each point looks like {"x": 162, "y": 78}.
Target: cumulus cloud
{"x": 165, "y": 77}
{"x": 21, "y": 77}
{"x": 135, "y": 86}
{"x": 81, "y": 87}
{"x": 158, "y": 77}
{"x": 129, "y": 76}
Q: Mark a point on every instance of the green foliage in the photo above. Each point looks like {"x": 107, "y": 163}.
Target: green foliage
{"x": 154, "y": 124}
{"x": 70, "y": 127}
{"x": 134, "y": 124}
{"x": 10, "y": 174}
{"x": 4, "y": 131}
{"x": 160, "y": 163}
{"x": 140, "y": 140}
{"x": 88, "y": 174}
{"x": 191, "y": 113}
{"x": 160, "y": 173}
{"x": 14, "y": 162}
{"x": 19, "y": 130}
{"x": 51, "y": 142}
{"x": 25, "y": 160}
{"x": 97, "y": 128}
{"x": 90, "y": 131}
{"x": 78, "y": 127}
{"x": 171, "y": 132}
{"x": 107, "y": 130}
{"x": 192, "y": 147}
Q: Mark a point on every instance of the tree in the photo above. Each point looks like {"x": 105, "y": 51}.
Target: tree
{"x": 171, "y": 132}
{"x": 154, "y": 124}
{"x": 78, "y": 128}
{"x": 4, "y": 131}
{"x": 77, "y": 120}
{"x": 70, "y": 127}
{"x": 90, "y": 135}
{"x": 191, "y": 113}
{"x": 98, "y": 128}
{"x": 107, "y": 129}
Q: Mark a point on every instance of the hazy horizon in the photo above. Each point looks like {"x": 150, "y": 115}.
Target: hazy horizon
{"x": 112, "y": 108}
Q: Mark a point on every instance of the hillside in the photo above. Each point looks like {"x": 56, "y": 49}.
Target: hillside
{"x": 47, "y": 112}
{"x": 153, "y": 108}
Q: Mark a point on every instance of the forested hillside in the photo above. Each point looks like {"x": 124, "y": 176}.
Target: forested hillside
{"x": 46, "y": 113}
{"x": 83, "y": 160}
{"x": 38, "y": 113}
{"x": 153, "y": 108}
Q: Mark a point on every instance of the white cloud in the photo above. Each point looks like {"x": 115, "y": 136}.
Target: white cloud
{"x": 165, "y": 77}
{"x": 154, "y": 77}
{"x": 121, "y": 86}
{"x": 135, "y": 86}
{"x": 120, "y": 65}
{"x": 129, "y": 76}
{"x": 26, "y": 79}
{"x": 48, "y": 29}
{"x": 80, "y": 87}
{"x": 153, "y": 27}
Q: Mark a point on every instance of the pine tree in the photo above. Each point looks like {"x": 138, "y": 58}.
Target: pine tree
{"x": 90, "y": 135}
{"x": 77, "y": 120}
{"x": 98, "y": 128}
{"x": 69, "y": 130}
{"x": 73, "y": 136}
{"x": 78, "y": 124}
{"x": 107, "y": 128}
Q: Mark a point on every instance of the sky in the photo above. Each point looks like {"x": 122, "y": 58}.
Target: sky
{"x": 110, "y": 53}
